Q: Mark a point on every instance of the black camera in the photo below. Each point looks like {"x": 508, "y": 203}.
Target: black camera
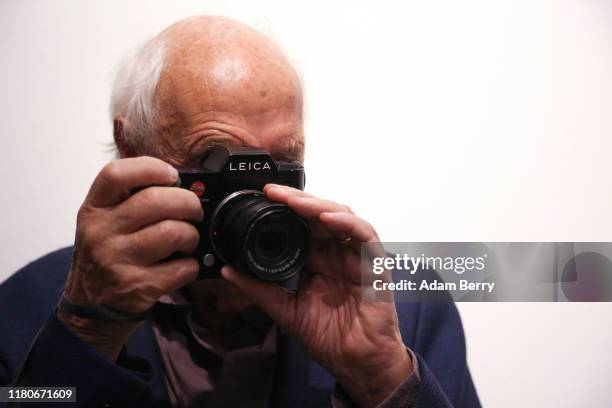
{"x": 241, "y": 227}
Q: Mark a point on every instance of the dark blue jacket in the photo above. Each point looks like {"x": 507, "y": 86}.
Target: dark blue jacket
{"x": 36, "y": 349}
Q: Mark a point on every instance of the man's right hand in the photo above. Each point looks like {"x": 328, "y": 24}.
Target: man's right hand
{"x": 122, "y": 242}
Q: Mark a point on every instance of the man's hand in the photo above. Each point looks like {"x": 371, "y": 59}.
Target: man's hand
{"x": 358, "y": 341}
{"x": 122, "y": 239}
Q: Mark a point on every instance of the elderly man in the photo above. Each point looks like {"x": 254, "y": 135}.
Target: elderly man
{"x": 236, "y": 341}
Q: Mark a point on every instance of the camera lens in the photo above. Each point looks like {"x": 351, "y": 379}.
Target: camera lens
{"x": 271, "y": 242}
{"x": 259, "y": 236}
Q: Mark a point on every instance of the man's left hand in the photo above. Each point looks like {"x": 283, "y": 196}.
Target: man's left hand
{"x": 357, "y": 340}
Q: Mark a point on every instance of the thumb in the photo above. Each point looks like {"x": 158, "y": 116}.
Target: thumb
{"x": 278, "y": 302}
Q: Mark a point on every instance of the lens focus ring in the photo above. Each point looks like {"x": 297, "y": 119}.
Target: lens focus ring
{"x": 259, "y": 236}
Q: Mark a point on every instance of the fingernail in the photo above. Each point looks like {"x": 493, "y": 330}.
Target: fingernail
{"x": 225, "y": 272}
{"x": 173, "y": 172}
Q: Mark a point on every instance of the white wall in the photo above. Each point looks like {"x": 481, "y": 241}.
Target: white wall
{"x": 447, "y": 120}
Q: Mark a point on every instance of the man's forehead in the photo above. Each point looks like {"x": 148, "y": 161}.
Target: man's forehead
{"x": 229, "y": 81}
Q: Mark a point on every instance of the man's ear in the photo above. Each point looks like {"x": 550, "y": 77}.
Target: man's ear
{"x": 119, "y": 134}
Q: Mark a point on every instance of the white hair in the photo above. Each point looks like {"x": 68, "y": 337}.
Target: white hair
{"x": 133, "y": 92}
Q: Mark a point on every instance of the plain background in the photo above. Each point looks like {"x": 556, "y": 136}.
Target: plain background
{"x": 440, "y": 120}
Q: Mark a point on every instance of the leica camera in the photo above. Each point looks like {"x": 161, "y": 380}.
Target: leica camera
{"x": 241, "y": 227}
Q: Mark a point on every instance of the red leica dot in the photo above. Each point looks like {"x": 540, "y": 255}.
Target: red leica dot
{"x": 198, "y": 188}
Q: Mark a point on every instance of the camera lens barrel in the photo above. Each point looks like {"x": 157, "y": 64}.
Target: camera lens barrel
{"x": 259, "y": 236}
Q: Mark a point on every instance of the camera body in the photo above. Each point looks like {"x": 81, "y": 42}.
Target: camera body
{"x": 241, "y": 227}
